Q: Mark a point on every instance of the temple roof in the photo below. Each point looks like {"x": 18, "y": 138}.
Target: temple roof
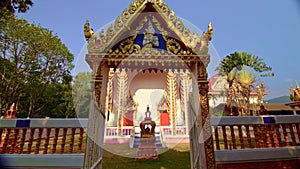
{"x": 147, "y": 33}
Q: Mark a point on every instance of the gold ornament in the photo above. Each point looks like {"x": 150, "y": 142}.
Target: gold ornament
{"x": 88, "y": 32}
{"x": 125, "y": 15}
{"x": 180, "y": 25}
{"x": 132, "y": 8}
{"x": 210, "y": 31}
{"x": 128, "y": 46}
{"x": 173, "y": 17}
{"x": 110, "y": 32}
{"x": 166, "y": 9}
{"x": 118, "y": 23}
{"x": 173, "y": 46}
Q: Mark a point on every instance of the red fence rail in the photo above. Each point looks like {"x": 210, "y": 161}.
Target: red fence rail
{"x": 256, "y": 132}
{"x": 42, "y": 136}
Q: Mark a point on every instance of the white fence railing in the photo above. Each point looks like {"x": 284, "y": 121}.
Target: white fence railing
{"x": 180, "y": 131}
{"x": 113, "y": 131}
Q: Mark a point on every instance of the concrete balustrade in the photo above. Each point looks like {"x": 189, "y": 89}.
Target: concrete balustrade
{"x": 256, "y": 132}
{"x": 42, "y": 136}
{"x": 236, "y": 139}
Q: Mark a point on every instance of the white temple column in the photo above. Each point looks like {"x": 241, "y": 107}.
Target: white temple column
{"x": 184, "y": 88}
{"x": 171, "y": 96}
{"x": 121, "y": 96}
{"x": 109, "y": 100}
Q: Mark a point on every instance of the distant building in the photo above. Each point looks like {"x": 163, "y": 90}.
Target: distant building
{"x": 217, "y": 91}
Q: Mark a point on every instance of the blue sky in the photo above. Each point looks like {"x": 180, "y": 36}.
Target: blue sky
{"x": 266, "y": 28}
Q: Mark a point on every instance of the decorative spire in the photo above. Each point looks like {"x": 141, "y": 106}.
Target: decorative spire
{"x": 12, "y": 107}
{"x": 210, "y": 31}
{"x": 88, "y": 32}
{"x": 148, "y": 113}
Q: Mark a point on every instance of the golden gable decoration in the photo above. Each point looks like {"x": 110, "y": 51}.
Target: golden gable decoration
{"x": 105, "y": 39}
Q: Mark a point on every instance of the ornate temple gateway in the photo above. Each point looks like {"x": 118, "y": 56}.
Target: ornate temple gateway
{"x": 148, "y": 48}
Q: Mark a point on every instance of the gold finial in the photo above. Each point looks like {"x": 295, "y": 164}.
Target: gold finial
{"x": 210, "y": 31}
{"x": 88, "y": 32}
{"x": 12, "y": 107}
{"x": 295, "y": 93}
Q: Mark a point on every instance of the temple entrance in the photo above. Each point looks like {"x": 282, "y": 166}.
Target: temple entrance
{"x": 148, "y": 57}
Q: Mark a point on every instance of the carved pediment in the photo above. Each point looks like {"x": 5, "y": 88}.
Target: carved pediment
{"x": 148, "y": 24}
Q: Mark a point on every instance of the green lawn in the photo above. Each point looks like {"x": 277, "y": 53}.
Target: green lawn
{"x": 177, "y": 157}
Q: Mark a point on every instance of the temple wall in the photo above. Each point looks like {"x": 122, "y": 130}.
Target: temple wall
{"x": 147, "y": 89}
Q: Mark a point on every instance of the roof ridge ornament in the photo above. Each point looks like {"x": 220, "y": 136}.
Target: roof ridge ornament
{"x": 132, "y": 8}
{"x": 88, "y": 32}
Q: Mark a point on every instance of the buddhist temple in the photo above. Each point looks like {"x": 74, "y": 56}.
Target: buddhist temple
{"x": 149, "y": 57}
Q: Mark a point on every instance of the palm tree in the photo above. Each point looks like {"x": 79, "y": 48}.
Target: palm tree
{"x": 241, "y": 69}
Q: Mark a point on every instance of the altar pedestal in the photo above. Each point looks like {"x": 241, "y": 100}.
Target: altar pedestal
{"x": 147, "y": 149}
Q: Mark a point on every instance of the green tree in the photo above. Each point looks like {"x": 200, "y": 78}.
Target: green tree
{"x": 241, "y": 69}
{"x": 12, "y": 5}
{"x": 34, "y": 62}
{"x": 81, "y": 93}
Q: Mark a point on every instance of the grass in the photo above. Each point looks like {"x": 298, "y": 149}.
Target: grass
{"x": 177, "y": 157}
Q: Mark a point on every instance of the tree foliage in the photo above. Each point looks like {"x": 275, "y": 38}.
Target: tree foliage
{"x": 82, "y": 93}
{"x": 13, "y": 5}
{"x": 35, "y": 64}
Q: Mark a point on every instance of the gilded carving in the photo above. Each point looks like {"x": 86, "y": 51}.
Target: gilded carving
{"x": 101, "y": 37}
{"x": 118, "y": 23}
{"x": 132, "y": 8}
{"x": 206, "y": 37}
{"x": 180, "y": 25}
{"x": 128, "y": 46}
{"x": 139, "y": 2}
{"x": 295, "y": 93}
{"x": 150, "y": 38}
{"x": 210, "y": 31}
{"x": 159, "y": 3}
{"x": 203, "y": 92}
{"x": 88, "y": 32}
{"x": 166, "y": 9}
{"x": 125, "y": 15}
{"x": 173, "y": 46}
{"x": 160, "y": 28}
{"x": 210, "y": 156}
{"x": 97, "y": 92}
{"x": 110, "y": 32}
{"x": 187, "y": 34}
{"x": 173, "y": 17}
{"x": 199, "y": 45}
{"x": 202, "y": 73}
{"x": 140, "y": 26}
{"x": 196, "y": 40}
{"x": 92, "y": 45}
